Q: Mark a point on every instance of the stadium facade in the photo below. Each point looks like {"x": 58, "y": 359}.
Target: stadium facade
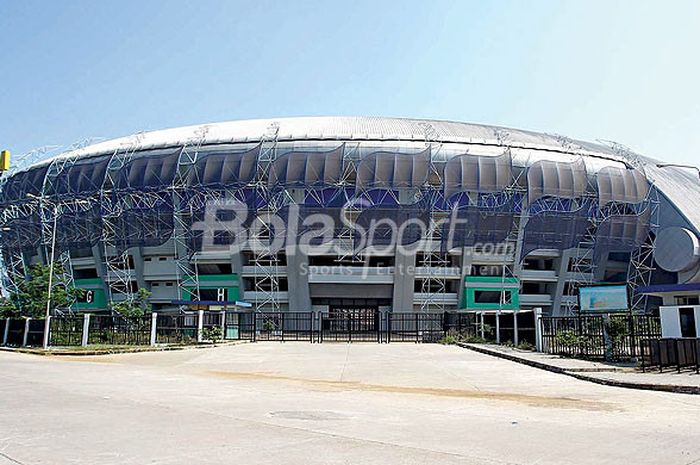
{"x": 370, "y": 213}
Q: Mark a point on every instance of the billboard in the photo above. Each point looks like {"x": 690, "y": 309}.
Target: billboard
{"x": 603, "y": 298}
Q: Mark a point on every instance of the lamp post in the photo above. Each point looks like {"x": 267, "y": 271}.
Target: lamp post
{"x": 47, "y": 315}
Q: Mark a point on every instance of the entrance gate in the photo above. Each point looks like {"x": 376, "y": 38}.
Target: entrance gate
{"x": 350, "y": 324}
{"x": 347, "y": 324}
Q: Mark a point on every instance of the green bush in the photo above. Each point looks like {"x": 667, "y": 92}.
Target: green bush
{"x": 449, "y": 339}
{"x": 569, "y": 339}
{"x": 453, "y": 337}
{"x": 138, "y": 306}
{"x": 213, "y": 334}
{"x": 474, "y": 340}
{"x": 524, "y": 345}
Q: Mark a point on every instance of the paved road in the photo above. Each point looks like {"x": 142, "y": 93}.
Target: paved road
{"x": 272, "y": 403}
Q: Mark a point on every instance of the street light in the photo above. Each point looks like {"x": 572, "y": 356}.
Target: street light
{"x": 47, "y": 316}
{"x": 54, "y": 205}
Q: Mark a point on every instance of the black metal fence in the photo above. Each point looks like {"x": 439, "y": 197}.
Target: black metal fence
{"x": 240, "y": 326}
{"x": 285, "y": 326}
{"x": 347, "y": 326}
{"x": 678, "y": 353}
{"x": 15, "y": 332}
{"x": 119, "y": 330}
{"x": 464, "y": 324}
{"x": 66, "y": 331}
{"x": 176, "y": 329}
{"x": 609, "y": 337}
{"x": 212, "y": 320}
{"x": 416, "y": 327}
{"x": 35, "y": 333}
{"x": 350, "y": 325}
{"x": 339, "y": 325}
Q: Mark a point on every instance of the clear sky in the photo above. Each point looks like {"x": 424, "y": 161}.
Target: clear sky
{"x": 627, "y": 71}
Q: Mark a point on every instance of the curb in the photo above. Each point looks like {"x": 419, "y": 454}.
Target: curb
{"x": 674, "y": 388}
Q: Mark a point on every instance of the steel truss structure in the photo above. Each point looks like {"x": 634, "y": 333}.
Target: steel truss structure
{"x": 641, "y": 266}
{"x": 118, "y": 272}
{"x": 436, "y": 260}
{"x": 125, "y": 212}
{"x": 266, "y": 280}
{"x": 183, "y": 213}
{"x": 12, "y": 263}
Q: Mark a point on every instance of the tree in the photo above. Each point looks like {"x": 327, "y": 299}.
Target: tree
{"x": 30, "y": 298}
{"x": 8, "y": 308}
{"x": 138, "y": 306}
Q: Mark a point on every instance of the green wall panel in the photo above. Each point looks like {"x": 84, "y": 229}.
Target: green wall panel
{"x": 472, "y": 284}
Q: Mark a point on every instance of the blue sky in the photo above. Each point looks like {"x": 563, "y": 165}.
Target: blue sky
{"x": 626, "y": 71}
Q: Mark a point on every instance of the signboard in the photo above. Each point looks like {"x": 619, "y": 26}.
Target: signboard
{"x": 603, "y": 298}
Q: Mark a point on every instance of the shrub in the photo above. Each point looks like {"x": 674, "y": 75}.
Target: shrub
{"x": 449, "y": 339}
{"x": 524, "y": 345}
{"x": 213, "y": 334}
{"x": 138, "y": 306}
{"x": 474, "y": 340}
{"x": 453, "y": 337}
{"x": 568, "y": 339}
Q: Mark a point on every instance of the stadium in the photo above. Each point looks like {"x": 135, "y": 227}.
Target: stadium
{"x": 333, "y": 214}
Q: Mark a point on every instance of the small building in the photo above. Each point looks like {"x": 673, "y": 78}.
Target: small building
{"x": 680, "y": 312}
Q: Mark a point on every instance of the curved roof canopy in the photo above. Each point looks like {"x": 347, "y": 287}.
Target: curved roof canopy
{"x": 473, "y": 173}
{"x": 547, "y": 178}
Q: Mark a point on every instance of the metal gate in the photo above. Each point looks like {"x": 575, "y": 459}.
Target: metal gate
{"x": 285, "y": 326}
{"x": 415, "y": 327}
{"x": 270, "y": 326}
{"x": 351, "y": 324}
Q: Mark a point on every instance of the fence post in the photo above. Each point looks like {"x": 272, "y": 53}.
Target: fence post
{"x": 388, "y": 327}
{"x": 417, "y": 329}
{"x": 7, "y": 331}
{"x": 26, "y": 332}
{"x": 154, "y": 327}
{"x": 86, "y": 330}
{"x": 608, "y": 349}
{"x": 319, "y": 327}
{"x": 255, "y": 325}
{"x": 200, "y": 325}
{"x": 282, "y": 325}
{"x": 498, "y": 327}
{"x": 47, "y": 332}
{"x": 311, "y": 327}
{"x": 632, "y": 336}
{"x": 538, "y": 329}
{"x": 223, "y": 325}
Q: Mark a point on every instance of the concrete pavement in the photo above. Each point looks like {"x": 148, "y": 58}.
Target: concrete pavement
{"x": 299, "y": 403}
{"x": 626, "y": 375}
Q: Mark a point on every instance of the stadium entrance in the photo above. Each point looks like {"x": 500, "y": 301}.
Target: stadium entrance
{"x": 352, "y": 320}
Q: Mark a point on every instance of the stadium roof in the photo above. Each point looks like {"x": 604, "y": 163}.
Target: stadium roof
{"x": 679, "y": 184}
{"x": 352, "y": 128}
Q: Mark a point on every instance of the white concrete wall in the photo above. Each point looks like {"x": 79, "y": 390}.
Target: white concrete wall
{"x": 671, "y": 322}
